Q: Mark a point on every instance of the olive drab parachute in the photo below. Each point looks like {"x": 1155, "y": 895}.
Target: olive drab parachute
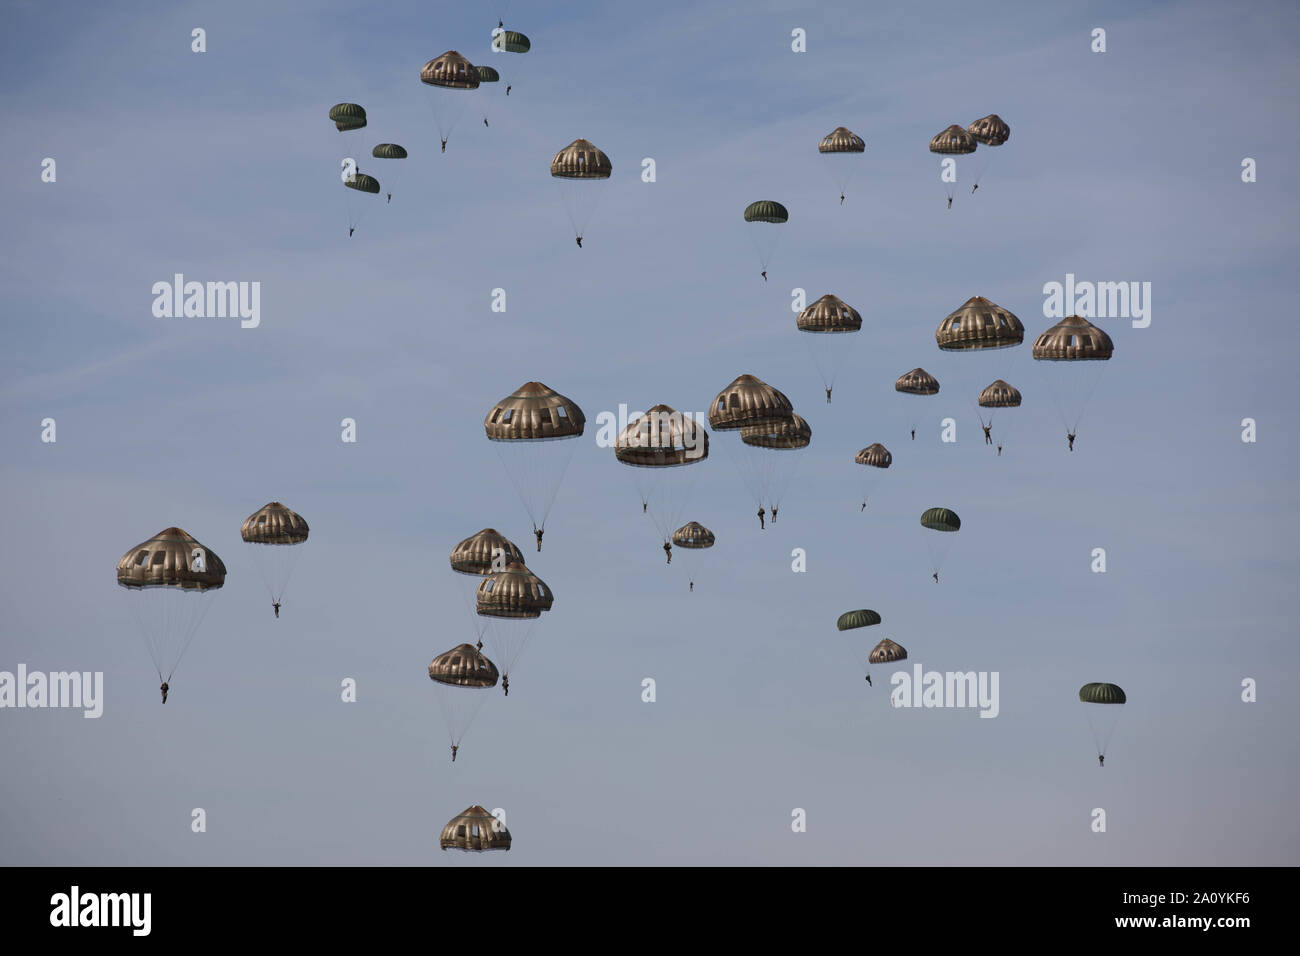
{"x": 510, "y": 41}
{"x": 1076, "y": 348}
{"x": 461, "y": 678}
{"x": 953, "y": 142}
{"x": 839, "y": 150}
{"x": 390, "y": 151}
{"x": 580, "y": 170}
{"x": 940, "y": 525}
{"x": 449, "y": 79}
{"x": 358, "y": 206}
{"x": 172, "y": 577}
{"x": 987, "y": 131}
{"x": 487, "y": 75}
{"x": 277, "y": 532}
{"x": 511, "y": 602}
{"x": 525, "y": 427}
{"x": 660, "y": 445}
{"x": 347, "y": 116}
{"x": 474, "y": 831}
{"x": 916, "y": 382}
{"x": 747, "y": 401}
{"x": 1102, "y": 723}
{"x": 769, "y": 455}
{"x": 480, "y": 554}
{"x": 762, "y": 217}
{"x": 864, "y": 617}
{"x": 824, "y": 324}
{"x": 874, "y": 459}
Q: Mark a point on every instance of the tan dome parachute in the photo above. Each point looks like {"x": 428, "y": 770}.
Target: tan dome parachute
{"x": 461, "y": 677}
{"x": 172, "y": 577}
{"x": 886, "y": 652}
{"x": 579, "y": 170}
{"x": 1000, "y": 395}
{"x": 876, "y": 458}
{"x": 769, "y": 459}
{"x": 693, "y": 535}
{"x": 510, "y": 602}
{"x": 839, "y": 150}
{"x": 989, "y": 131}
{"x": 979, "y": 324}
{"x": 480, "y": 554}
{"x": 658, "y": 445}
{"x": 474, "y": 831}
{"x": 952, "y": 143}
{"x": 347, "y": 116}
{"x": 523, "y": 426}
{"x": 917, "y": 382}
{"x": 748, "y": 401}
{"x": 275, "y": 529}
{"x": 795, "y": 433}
{"x": 825, "y": 321}
{"x": 1076, "y": 348}
{"x": 448, "y": 78}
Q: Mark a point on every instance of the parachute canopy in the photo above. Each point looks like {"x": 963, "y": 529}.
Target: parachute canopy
{"x": 766, "y": 211}
{"x": 362, "y": 183}
{"x": 860, "y": 618}
{"x": 474, "y": 831}
{"x": 917, "y": 382}
{"x": 1073, "y": 339}
{"x": 830, "y": 313}
{"x": 347, "y": 116}
{"x": 581, "y": 160}
{"x": 693, "y": 535}
{"x": 511, "y": 41}
{"x": 877, "y": 456}
{"x": 388, "y": 151}
{"x": 953, "y": 141}
{"x": 534, "y": 412}
{"x": 166, "y": 560}
{"x": 274, "y": 524}
{"x": 940, "y": 519}
{"x": 748, "y": 400}
{"x": 887, "y": 651}
{"x": 979, "y": 324}
{"x": 841, "y": 140}
{"x": 1102, "y": 694}
{"x": 450, "y": 71}
{"x": 794, "y": 433}
{"x": 515, "y": 592}
{"x": 662, "y": 437}
{"x": 487, "y": 74}
{"x": 476, "y": 554}
{"x": 463, "y": 666}
{"x": 989, "y": 131}
{"x": 1000, "y": 395}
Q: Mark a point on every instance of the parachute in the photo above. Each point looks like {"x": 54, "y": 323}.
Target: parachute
{"x": 1102, "y": 723}
{"x": 886, "y": 652}
{"x": 850, "y": 620}
{"x": 460, "y": 678}
{"x": 769, "y": 459}
{"x": 358, "y": 206}
{"x": 277, "y": 532}
{"x": 876, "y": 458}
{"x": 824, "y": 324}
{"x": 487, "y": 75}
{"x": 524, "y": 427}
{"x": 474, "y": 831}
{"x": 480, "y": 554}
{"x": 998, "y": 395}
{"x": 580, "y": 170}
{"x": 951, "y": 143}
{"x": 946, "y": 523}
{"x": 747, "y": 401}
{"x": 988, "y": 131}
{"x": 511, "y": 602}
{"x": 976, "y": 335}
{"x": 172, "y": 578}
{"x": 694, "y": 537}
{"x": 347, "y": 116}
{"x": 510, "y": 41}
{"x": 839, "y": 150}
{"x": 916, "y": 382}
{"x": 1076, "y": 348}
{"x": 660, "y": 444}
{"x": 390, "y": 151}
{"x": 762, "y": 216}
{"x": 449, "y": 78}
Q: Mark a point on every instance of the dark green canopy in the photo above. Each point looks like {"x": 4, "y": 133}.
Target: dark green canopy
{"x": 766, "y": 211}
{"x": 347, "y": 116}
{"x": 861, "y": 618}
{"x": 1102, "y": 694}
{"x": 363, "y": 183}
{"x": 940, "y": 519}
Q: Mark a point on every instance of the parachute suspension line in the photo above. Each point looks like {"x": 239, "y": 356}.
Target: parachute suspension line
{"x": 147, "y": 635}
{"x": 194, "y": 629}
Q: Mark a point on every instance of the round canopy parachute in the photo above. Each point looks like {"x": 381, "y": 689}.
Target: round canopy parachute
{"x": 480, "y": 553}
{"x": 389, "y": 151}
{"x": 523, "y": 425}
{"x": 173, "y": 577}
{"x": 487, "y": 74}
{"x": 1077, "y": 348}
{"x": 347, "y": 116}
{"x": 694, "y": 536}
{"x": 839, "y": 150}
{"x": 767, "y": 465}
{"x": 940, "y": 519}
{"x": 1000, "y": 395}
{"x": 659, "y": 444}
{"x": 1102, "y": 723}
{"x": 989, "y": 131}
{"x": 276, "y": 526}
{"x": 860, "y": 618}
{"x": 511, "y": 41}
{"x": 579, "y": 170}
{"x": 448, "y": 74}
{"x": 362, "y": 183}
{"x": 474, "y": 831}
{"x": 460, "y": 676}
{"x": 1102, "y": 694}
{"x": 917, "y": 382}
{"x": 886, "y": 652}
{"x": 825, "y": 320}
{"x": 841, "y": 140}
{"x": 766, "y": 211}
{"x": 953, "y": 141}
{"x": 875, "y": 456}
{"x": 979, "y": 324}
{"x": 794, "y": 433}
{"x": 765, "y": 240}
{"x": 511, "y": 602}
{"x": 747, "y": 401}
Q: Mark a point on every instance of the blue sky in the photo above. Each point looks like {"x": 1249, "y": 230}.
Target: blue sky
{"x": 224, "y": 166}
